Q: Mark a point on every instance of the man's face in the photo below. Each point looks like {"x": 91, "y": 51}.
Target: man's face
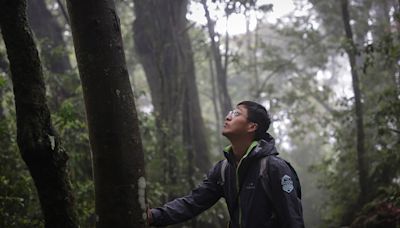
{"x": 236, "y": 123}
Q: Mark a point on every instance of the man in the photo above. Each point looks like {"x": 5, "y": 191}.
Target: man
{"x": 260, "y": 189}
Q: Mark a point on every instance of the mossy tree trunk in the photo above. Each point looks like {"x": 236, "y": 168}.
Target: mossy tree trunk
{"x": 111, "y": 114}
{"x": 37, "y": 140}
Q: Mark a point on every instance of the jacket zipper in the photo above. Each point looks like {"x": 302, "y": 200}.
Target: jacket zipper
{"x": 251, "y": 147}
{"x": 237, "y": 189}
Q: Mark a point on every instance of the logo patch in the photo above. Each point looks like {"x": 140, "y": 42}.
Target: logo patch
{"x": 287, "y": 184}
{"x": 250, "y": 186}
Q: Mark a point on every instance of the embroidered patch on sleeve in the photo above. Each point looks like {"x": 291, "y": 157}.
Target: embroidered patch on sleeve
{"x": 287, "y": 184}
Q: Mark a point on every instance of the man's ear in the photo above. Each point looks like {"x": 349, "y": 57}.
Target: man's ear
{"x": 252, "y": 127}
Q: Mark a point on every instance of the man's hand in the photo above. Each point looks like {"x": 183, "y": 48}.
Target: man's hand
{"x": 149, "y": 217}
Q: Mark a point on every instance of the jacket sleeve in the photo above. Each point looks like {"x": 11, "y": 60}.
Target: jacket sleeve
{"x": 283, "y": 194}
{"x": 187, "y": 207}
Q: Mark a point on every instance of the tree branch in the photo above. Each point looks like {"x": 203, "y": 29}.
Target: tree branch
{"x": 279, "y": 67}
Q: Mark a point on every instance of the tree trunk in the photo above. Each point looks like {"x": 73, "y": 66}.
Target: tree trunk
{"x": 3, "y": 63}
{"x": 225, "y": 99}
{"x": 111, "y": 114}
{"x": 37, "y": 140}
{"x": 156, "y": 32}
{"x": 3, "y": 69}
{"x": 351, "y": 52}
{"x": 218, "y": 117}
{"x": 196, "y": 137}
{"x": 164, "y": 48}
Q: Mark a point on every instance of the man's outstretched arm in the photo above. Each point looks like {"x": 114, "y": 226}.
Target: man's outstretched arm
{"x": 187, "y": 207}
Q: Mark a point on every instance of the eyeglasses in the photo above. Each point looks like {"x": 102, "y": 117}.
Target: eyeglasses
{"x": 233, "y": 113}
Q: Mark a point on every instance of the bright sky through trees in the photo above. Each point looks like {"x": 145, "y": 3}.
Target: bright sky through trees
{"x": 237, "y": 22}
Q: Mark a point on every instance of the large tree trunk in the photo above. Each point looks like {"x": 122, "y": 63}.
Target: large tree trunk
{"x": 111, "y": 114}
{"x": 163, "y": 45}
{"x": 351, "y": 52}
{"x": 53, "y": 51}
{"x": 37, "y": 140}
{"x": 221, "y": 70}
{"x": 159, "y": 54}
{"x": 194, "y": 135}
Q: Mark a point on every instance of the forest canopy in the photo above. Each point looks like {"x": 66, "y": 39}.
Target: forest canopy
{"x": 128, "y": 99}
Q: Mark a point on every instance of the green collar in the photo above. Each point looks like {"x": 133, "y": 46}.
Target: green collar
{"x": 228, "y": 148}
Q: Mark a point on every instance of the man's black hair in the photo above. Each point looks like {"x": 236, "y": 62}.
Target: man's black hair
{"x": 258, "y": 114}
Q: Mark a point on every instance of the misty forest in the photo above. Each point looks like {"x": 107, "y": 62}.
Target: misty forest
{"x": 110, "y": 107}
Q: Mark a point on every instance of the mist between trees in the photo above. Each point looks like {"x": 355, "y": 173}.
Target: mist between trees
{"x": 118, "y": 96}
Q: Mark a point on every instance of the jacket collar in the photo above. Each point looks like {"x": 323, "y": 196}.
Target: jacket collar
{"x": 257, "y": 149}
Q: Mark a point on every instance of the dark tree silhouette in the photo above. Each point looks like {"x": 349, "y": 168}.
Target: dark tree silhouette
{"x": 38, "y": 142}
{"x": 111, "y": 114}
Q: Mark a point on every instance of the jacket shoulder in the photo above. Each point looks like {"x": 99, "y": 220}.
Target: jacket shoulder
{"x": 215, "y": 171}
{"x": 277, "y": 162}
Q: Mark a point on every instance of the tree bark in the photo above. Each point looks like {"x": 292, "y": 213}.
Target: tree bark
{"x": 351, "y": 52}
{"x": 218, "y": 117}
{"x": 221, "y": 71}
{"x": 3, "y": 69}
{"x": 37, "y": 140}
{"x": 164, "y": 48}
{"x": 194, "y": 135}
{"x": 155, "y": 36}
{"x": 3, "y": 63}
{"x": 111, "y": 114}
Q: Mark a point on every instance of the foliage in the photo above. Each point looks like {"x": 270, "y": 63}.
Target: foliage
{"x": 19, "y": 206}
{"x": 383, "y": 211}
{"x": 297, "y": 69}
{"x": 381, "y": 107}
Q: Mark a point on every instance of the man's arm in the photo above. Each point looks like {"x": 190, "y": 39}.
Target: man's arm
{"x": 283, "y": 193}
{"x": 187, "y": 207}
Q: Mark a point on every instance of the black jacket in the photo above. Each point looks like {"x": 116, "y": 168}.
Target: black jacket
{"x": 254, "y": 207}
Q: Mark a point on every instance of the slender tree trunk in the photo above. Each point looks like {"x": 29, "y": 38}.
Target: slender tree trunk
{"x": 225, "y": 101}
{"x": 196, "y": 137}
{"x": 351, "y": 52}
{"x": 218, "y": 118}
{"x": 37, "y": 140}
{"x": 111, "y": 114}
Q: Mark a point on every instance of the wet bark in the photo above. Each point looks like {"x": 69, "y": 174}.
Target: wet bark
{"x": 111, "y": 114}
{"x": 38, "y": 142}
